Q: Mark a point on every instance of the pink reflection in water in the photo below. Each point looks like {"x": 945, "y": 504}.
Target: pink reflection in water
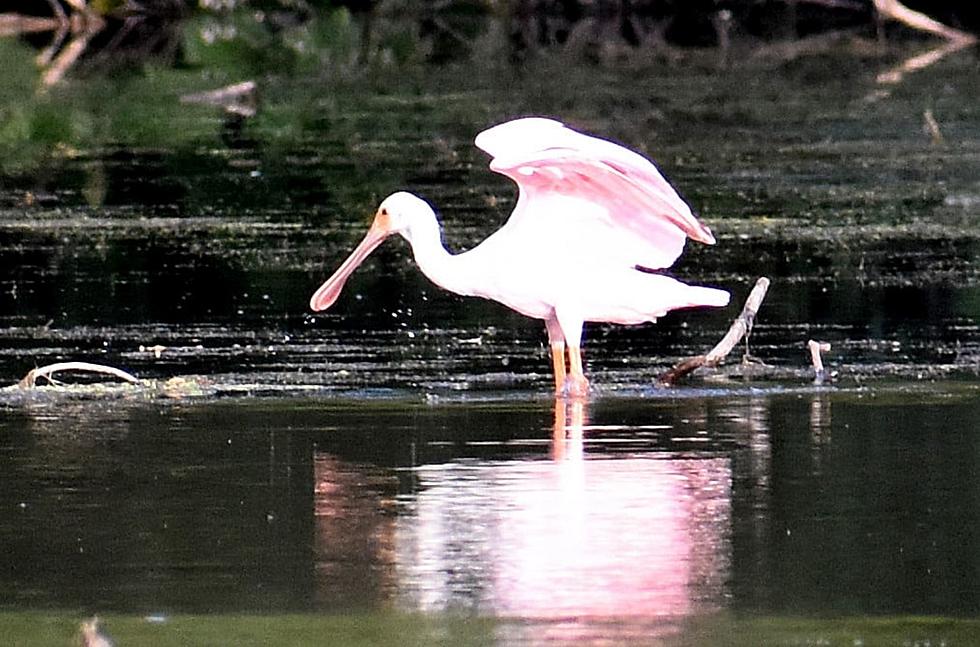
{"x": 607, "y": 537}
{"x": 354, "y": 533}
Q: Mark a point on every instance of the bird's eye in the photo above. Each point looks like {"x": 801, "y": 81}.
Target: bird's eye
{"x": 384, "y": 211}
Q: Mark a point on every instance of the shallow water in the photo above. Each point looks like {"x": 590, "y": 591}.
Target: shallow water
{"x": 400, "y": 456}
{"x": 648, "y": 513}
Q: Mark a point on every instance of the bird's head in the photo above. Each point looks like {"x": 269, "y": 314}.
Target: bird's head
{"x": 400, "y": 213}
{"x": 404, "y": 213}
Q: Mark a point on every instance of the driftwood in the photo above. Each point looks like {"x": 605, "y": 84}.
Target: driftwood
{"x": 740, "y": 328}
{"x": 47, "y": 372}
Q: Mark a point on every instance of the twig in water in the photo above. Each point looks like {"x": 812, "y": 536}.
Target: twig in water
{"x": 817, "y": 347}
{"x": 740, "y": 328}
{"x": 932, "y": 127}
{"x": 239, "y": 98}
{"x": 47, "y": 372}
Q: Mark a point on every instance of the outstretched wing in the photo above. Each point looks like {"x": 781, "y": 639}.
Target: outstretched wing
{"x": 622, "y": 193}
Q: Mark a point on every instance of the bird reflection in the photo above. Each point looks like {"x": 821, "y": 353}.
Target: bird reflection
{"x": 577, "y": 536}
{"x": 354, "y": 534}
{"x": 570, "y": 421}
{"x": 584, "y": 534}
{"x": 820, "y": 419}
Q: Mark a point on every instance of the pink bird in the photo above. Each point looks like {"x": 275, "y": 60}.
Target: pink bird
{"x": 593, "y": 222}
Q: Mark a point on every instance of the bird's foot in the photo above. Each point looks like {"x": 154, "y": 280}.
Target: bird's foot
{"x": 576, "y": 387}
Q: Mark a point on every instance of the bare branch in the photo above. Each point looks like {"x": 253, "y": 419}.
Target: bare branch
{"x": 739, "y": 329}
{"x": 12, "y": 24}
{"x": 65, "y": 60}
{"x": 681, "y": 369}
{"x": 47, "y": 372}
{"x": 920, "y": 62}
{"x": 742, "y": 324}
{"x": 897, "y": 11}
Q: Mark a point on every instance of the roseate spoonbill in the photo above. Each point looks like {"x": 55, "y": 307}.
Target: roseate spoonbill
{"x": 593, "y": 222}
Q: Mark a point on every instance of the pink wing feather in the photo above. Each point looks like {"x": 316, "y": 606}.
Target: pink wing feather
{"x": 547, "y": 159}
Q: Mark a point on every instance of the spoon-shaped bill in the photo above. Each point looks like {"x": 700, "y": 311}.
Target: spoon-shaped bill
{"x": 327, "y": 293}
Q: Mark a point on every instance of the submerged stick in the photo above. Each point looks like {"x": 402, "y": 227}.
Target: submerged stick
{"x": 931, "y": 126}
{"x": 817, "y": 347}
{"x": 47, "y": 372}
{"x": 741, "y": 327}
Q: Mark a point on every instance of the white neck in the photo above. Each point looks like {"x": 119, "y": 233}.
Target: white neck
{"x": 432, "y": 257}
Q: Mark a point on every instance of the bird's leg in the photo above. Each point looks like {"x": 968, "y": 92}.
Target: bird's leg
{"x": 566, "y": 325}
{"x": 556, "y": 339}
{"x": 558, "y": 364}
{"x": 571, "y": 417}
{"x": 576, "y": 383}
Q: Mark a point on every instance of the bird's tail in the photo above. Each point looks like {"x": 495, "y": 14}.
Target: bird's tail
{"x": 701, "y": 296}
